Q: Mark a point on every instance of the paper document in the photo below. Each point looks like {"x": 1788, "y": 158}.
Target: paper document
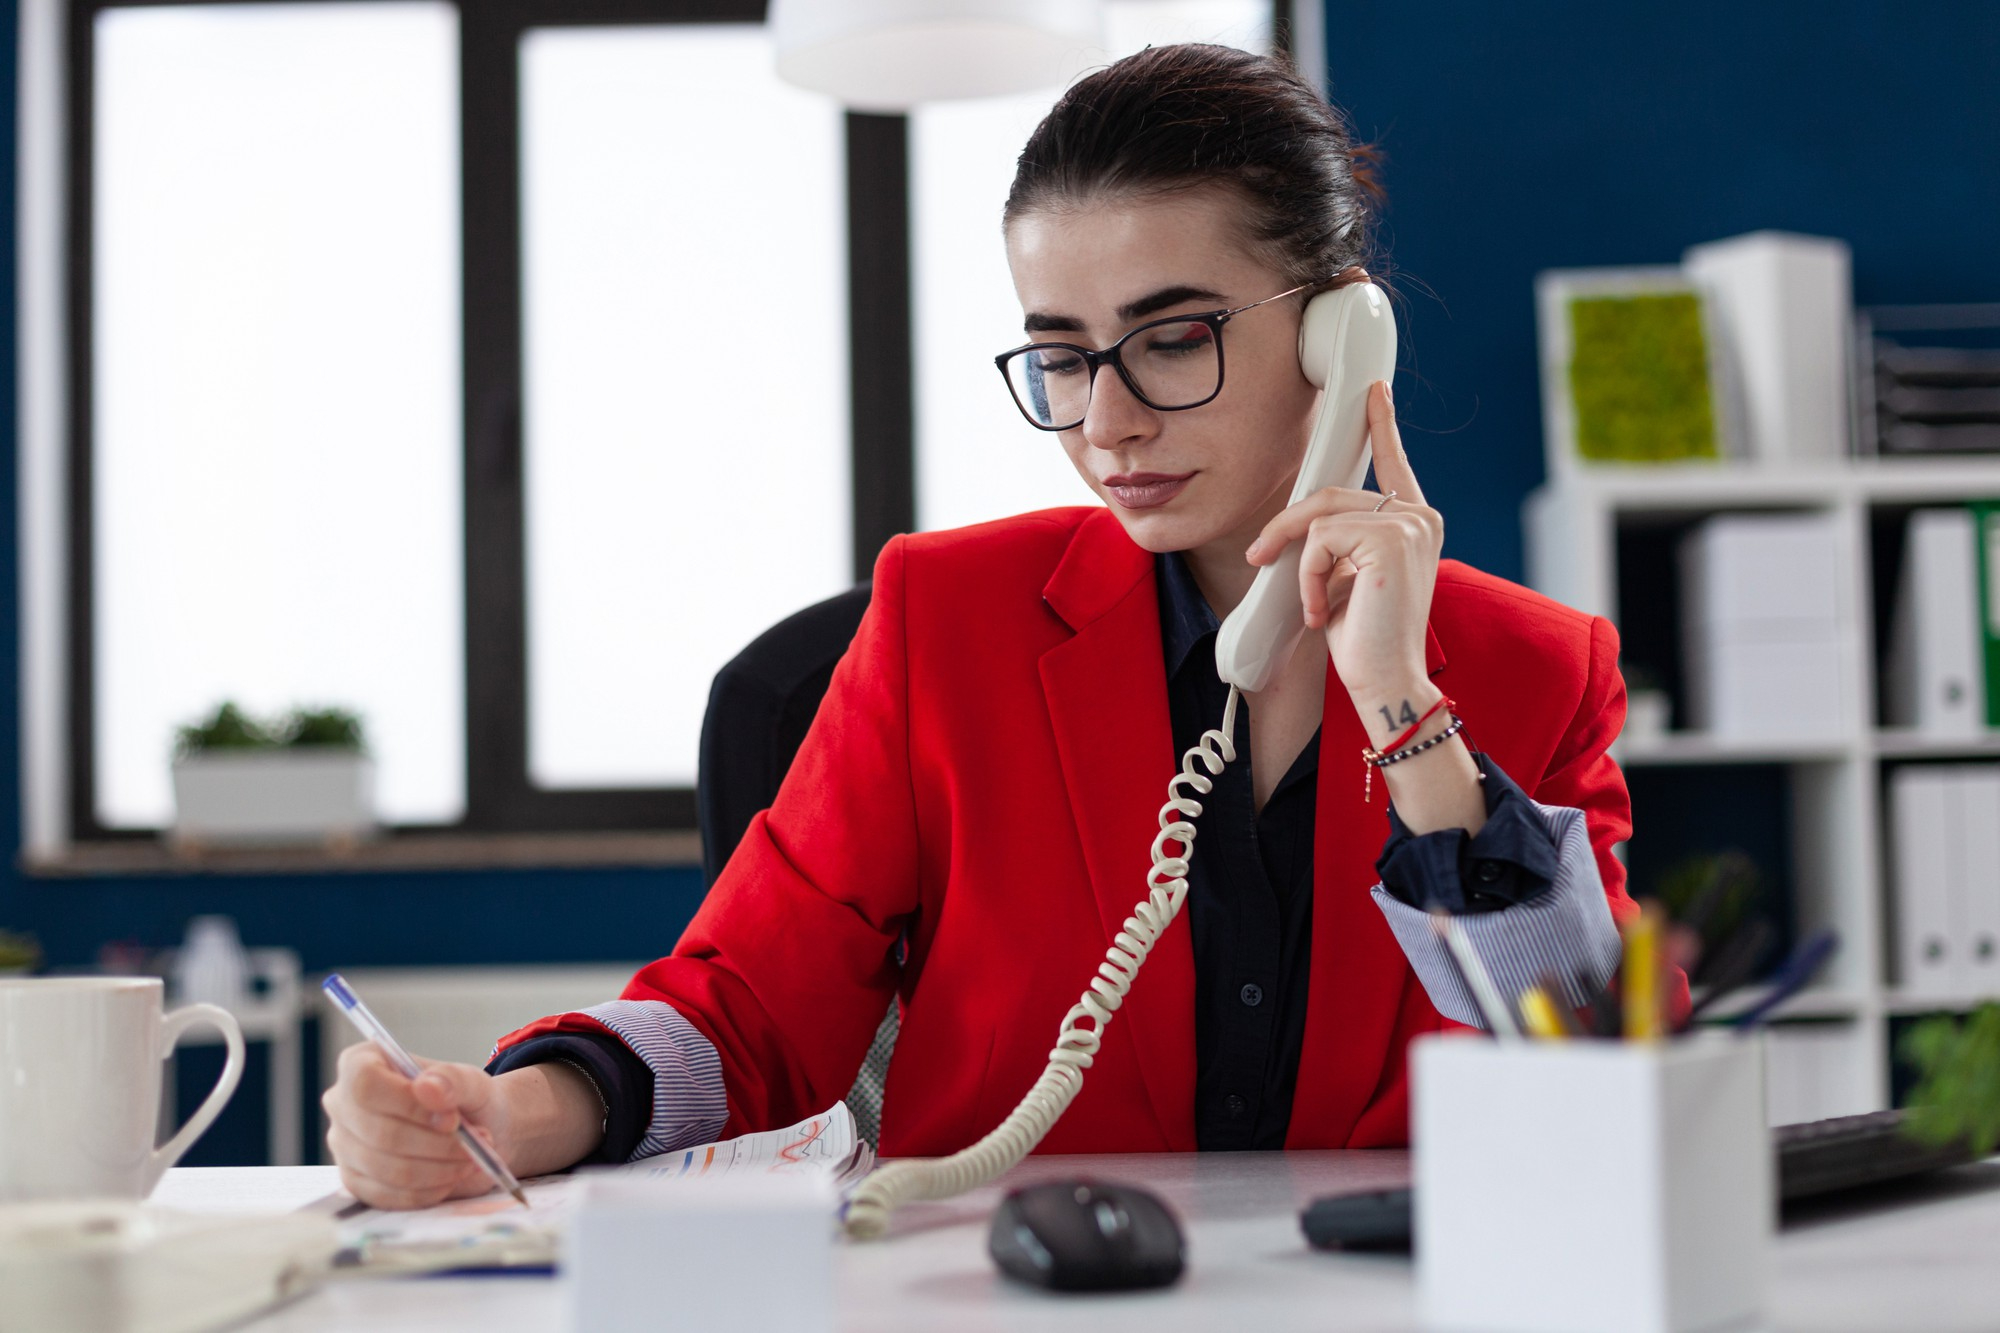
{"x": 825, "y": 1143}
{"x": 492, "y": 1231}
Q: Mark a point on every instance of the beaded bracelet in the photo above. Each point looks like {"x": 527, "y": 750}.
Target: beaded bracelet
{"x": 1382, "y": 759}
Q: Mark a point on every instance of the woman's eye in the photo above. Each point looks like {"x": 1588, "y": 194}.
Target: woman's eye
{"x": 1180, "y": 340}
{"x": 1058, "y": 363}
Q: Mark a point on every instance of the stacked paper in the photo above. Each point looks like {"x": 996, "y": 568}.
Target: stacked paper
{"x": 113, "y": 1267}
{"x": 1765, "y": 627}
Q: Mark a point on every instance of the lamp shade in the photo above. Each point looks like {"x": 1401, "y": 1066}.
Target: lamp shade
{"x": 892, "y": 55}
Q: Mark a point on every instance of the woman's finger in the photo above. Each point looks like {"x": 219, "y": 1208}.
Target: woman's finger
{"x": 1329, "y": 543}
{"x": 1294, "y": 522}
{"x": 394, "y": 1194}
{"x": 372, "y": 1087}
{"x": 434, "y": 1178}
{"x": 1392, "y": 462}
{"x": 391, "y": 1137}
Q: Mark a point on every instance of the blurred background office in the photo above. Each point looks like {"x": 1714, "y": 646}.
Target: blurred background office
{"x": 450, "y": 389}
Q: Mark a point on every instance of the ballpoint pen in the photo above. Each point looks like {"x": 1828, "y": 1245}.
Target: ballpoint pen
{"x": 371, "y": 1028}
{"x": 1792, "y": 978}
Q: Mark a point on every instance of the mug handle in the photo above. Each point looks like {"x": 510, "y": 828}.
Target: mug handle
{"x": 171, "y": 1027}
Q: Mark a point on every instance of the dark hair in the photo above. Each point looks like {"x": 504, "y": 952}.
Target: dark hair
{"x": 1174, "y": 118}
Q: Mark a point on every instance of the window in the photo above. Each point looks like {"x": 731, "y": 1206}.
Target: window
{"x": 274, "y": 392}
{"x": 448, "y": 360}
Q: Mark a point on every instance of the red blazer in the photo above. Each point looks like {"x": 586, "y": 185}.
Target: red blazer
{"x": 987, "y": 770}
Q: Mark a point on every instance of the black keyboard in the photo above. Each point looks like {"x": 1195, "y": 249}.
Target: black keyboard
{"x": 1849, "y": 1151}
{"x": 1814, "y": 1158}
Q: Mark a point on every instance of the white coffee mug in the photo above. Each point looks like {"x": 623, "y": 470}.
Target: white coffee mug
{"x": 80, "y": 1074}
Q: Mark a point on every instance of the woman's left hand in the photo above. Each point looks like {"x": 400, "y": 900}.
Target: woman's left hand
{"x": 1367, "y": 571}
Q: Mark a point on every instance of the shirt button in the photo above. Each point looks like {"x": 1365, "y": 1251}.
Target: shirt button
{"x": 1234, "y": 1105}
{"x": 1488, "y": 871}
{"x": 1253, "y": 995}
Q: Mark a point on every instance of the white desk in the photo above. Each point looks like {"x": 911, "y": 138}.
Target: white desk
{"x": 1924, "y": 1259}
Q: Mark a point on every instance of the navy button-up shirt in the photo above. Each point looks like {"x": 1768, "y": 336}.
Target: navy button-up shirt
{"x": 1250, "y": 887}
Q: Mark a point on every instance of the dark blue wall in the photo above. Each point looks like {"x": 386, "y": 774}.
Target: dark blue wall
{"x": 1559, "y": 133}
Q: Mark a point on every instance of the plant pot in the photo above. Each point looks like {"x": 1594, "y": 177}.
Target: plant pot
{"x": 274, "y": 797}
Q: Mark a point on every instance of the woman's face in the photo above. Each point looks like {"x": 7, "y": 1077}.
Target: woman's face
{"x": 1177, "y": 480}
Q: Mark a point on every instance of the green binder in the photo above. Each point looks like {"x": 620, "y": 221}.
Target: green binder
{"x": 1986, "y": 522}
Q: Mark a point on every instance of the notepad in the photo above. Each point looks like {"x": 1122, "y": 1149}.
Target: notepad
{"x": 492, "y": 1231}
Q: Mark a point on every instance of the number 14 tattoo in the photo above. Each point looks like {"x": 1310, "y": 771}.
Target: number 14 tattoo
{"x": 1407, "y": 718}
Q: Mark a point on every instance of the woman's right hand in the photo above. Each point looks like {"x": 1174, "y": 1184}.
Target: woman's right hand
{"x": 396, "y": 1138}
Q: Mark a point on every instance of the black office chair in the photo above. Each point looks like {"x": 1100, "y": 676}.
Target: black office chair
{"x": 759, "y": 708}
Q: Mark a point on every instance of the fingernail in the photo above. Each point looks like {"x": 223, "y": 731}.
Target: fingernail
{"x": 1251, "y": 553}
{"x": 439, "y": 1120}
{"x": 1388, "y": 392}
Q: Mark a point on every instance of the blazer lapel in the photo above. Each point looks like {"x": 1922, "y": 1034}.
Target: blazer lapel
{"x": 1359, "y": 973}
{"x": 1116, "y": 770}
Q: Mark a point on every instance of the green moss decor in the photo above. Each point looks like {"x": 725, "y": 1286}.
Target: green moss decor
{"x": 1639, "y": 378}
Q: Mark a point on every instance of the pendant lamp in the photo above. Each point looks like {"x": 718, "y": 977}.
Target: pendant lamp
{"x": 892, "y": 55}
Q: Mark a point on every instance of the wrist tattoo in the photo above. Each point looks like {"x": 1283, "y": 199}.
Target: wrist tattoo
{"x": 1405, "y": 717}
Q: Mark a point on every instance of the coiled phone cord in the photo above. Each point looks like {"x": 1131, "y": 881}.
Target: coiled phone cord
{"x": 896, "y": 1183}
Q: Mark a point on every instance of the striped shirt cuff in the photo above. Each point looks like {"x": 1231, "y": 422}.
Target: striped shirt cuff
{"x": 688, "y": 1102}
{"x": 1566, "y": 932}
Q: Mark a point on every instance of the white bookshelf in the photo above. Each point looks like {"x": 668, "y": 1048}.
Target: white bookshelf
{"x": 1838, "y": 842}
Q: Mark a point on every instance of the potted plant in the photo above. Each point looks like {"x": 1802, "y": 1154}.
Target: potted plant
{"x": 305, "y": 778}
{"x": 1957, "y": 1095}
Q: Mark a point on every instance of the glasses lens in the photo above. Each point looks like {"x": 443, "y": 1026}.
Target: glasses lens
{"x": 1052, "y": 384}
{"x": 1174, "y": 365}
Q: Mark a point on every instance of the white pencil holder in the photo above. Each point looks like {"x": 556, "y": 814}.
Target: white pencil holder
{"x": 1591, "y": 1186}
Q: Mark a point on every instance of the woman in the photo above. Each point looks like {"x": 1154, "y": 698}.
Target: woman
{"x": 983, "y": 780}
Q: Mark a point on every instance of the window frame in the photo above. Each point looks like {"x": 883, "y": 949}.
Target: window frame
{"x": 500, "y": 797}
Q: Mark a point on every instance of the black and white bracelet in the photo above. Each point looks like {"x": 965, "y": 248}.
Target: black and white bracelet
{"x": 1381, "y": 760}
{"x": 1377, "y": 759}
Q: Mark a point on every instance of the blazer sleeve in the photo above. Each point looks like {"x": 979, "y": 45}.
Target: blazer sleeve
{"x": 1582, "y": 774}
{"x": 788, "y": 965}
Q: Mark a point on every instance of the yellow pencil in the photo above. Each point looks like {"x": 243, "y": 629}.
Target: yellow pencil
{"x": 1538, "y": 1014}
{"x": 1642, "y": 975}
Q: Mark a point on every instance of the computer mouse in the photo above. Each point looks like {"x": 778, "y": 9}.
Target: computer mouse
{"x": 1086, "y": 1235}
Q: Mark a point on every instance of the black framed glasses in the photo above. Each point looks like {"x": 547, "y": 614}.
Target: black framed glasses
{"x": 1169, "y": 364}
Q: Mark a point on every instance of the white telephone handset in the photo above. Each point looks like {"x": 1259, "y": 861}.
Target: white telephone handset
{"x": 1347, "y": 341}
